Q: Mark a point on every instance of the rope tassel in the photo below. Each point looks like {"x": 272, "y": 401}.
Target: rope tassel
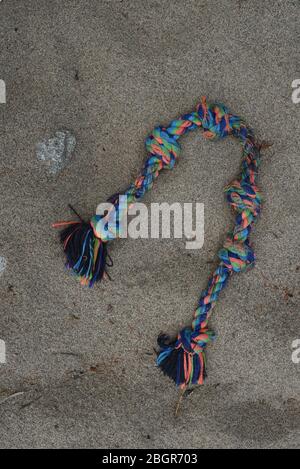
{"x": 184, "y": 359}
{"x": 86, "y": 254}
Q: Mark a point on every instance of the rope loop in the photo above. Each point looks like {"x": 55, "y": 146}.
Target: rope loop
{"x": 85, "y": 244}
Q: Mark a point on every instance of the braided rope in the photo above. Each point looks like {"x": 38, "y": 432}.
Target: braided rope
{"x": 182, "y": 359}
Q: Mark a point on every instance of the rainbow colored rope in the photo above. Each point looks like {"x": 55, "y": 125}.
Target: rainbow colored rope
{"x": 182, "y": 359}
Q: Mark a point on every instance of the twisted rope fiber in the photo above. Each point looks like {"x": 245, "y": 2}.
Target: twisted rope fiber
{"x": 182, "y": 359}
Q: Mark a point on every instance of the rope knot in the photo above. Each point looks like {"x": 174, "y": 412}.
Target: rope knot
{"x": 215, "y": 119}
{"x": 164, "y": 146}
{"x": 194, "y": 342}
{"x": 183, "y": 360}
{"x": 236, "y": 255}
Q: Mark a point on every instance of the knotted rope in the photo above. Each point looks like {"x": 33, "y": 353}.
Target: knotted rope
{"x": 85, "y": 244}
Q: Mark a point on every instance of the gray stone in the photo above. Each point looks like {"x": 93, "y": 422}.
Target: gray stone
{"x": 56, "y": 151}
{"x": 3, "y": 263}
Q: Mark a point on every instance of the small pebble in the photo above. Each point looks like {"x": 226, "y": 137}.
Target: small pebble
{"x": 3, "y": 264}
{"x": 56, "y": 151}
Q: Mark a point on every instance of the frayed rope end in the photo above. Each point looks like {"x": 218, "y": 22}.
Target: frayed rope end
{"x": 182, "y": 366}
{"x": 86, "y": 254}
